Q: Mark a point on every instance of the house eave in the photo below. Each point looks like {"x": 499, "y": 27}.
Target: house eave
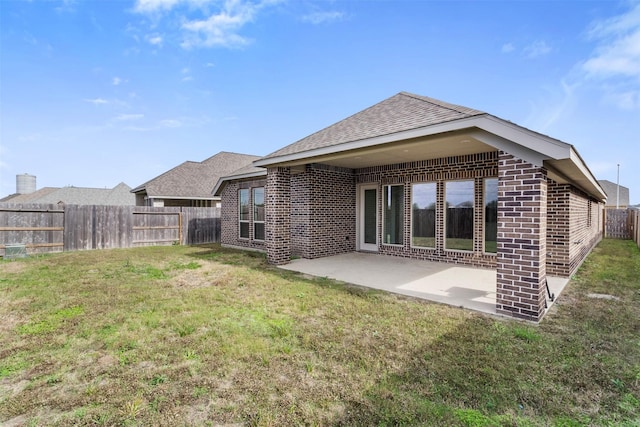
{"x": 217, "y": 190}
{"x": 184, "y": 197}
{"x": 533, "y": 147}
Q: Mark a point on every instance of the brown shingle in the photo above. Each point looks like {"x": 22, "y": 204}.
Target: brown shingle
{"x": 402, "y": 112}
{"x": 195, "y": 179}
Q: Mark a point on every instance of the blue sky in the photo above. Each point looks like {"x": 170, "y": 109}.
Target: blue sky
{"x": 93, "y": 93}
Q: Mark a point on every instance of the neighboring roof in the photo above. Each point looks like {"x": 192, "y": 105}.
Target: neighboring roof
{"x": 249, "y": 171}
{"x": 402, "y": 112}
{"x": 408, "y": 117}
{"x": 611, "y": 188}
{"x": 30, "y": 197}
{"x": 119, "y": 195}
{"x": 194, "y": 180}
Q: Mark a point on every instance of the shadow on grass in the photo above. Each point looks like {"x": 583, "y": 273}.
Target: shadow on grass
{"x": 580, "y": 366}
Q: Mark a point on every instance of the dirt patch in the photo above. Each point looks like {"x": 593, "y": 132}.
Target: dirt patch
{"x": 9, "y": 322}
{"x": 20, "y": 420}
{"x": 12, "y": 267}
{"x": 209, "y": 274}
{"x": 10, "y": 388}
{"x": 604, "y": 296}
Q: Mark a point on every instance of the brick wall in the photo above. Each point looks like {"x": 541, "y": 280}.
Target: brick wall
{"x": 230, "y": 233}
{"x": 278, "y": 215}
{"x": 522, "y": 222}
{"x": 323, "y": 216}
{"x": 470, "y": 167}
{"x": 574, "y": 228}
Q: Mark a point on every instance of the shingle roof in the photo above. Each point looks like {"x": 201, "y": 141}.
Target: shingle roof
{"x": 401, "y": 112}
{"x": 195, "y": 179}
{"x": 30, "y": 197}
{"x": 119, "y": 195}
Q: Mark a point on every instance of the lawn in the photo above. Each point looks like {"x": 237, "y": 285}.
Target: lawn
{"x": 188, "y": 336}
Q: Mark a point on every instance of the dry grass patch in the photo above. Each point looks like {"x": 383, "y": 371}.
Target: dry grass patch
{"x": 210, "y": 336}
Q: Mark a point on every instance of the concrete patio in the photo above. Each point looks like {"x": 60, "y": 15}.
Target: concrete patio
{"x": 457, "y": 285}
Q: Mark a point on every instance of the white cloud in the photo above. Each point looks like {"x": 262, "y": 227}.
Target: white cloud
{"x": 155, "y": 39}
{"x": 129, "y": 117}
{"x": 97, "y": 101}
{"x": 209, "y": 65}
{"x": 508, "y": 48}
{"x": 144, "y": 6}
{"x": 323, "y": 17}
{"x": 618, "y": 52}
{"x": 205, "y": 23}
{"x": 558, "y": 103}
{"x": 615, "y": 60}
{"x": 116, "y": 81}
{"x": 170, "y": 123}
{"x": 220, "y": 29}
{"x": 537, "y": 49}
{"x": 625, "y": 100}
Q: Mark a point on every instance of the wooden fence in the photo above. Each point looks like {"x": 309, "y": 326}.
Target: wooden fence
{"x": 622, "y": 224}
{"x": 53, "y": 228}
{"x": 634, "y": 215}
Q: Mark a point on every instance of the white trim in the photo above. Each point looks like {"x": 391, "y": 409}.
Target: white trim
{"x": 219, "y": 185}
{"x": 528, "y": 145}
{"x": 577, "y": 160}
{"x": 383, "y": 206}
{"x": 445, "y": 212}
{"x": 435, "y": 225}
{"x": 217, "y": 198}
{"x": 360, "y": 245}
{"x": 533, "y": 141}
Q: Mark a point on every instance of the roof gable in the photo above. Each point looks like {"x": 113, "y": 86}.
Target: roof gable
{"x": 195, "y": 179}
{"x": 401, "y": 112}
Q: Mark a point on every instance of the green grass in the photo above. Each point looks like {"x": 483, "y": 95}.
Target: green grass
{"x": 207, "y": 336}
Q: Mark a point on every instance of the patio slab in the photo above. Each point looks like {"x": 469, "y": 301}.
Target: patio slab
{"x": 453, "y": 284}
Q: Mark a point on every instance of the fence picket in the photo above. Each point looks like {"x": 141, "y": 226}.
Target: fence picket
{"x": 53, "y": 228}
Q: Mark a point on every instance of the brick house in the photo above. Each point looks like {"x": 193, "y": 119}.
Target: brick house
{"x": 416, "y": 177}
{"x": 190, "y": 183}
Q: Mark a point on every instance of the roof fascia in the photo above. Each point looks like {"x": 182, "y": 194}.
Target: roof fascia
{"x": 370, "y": 142}
{"x": 530, "y": 141}
{"x": 577, "y": 160}
{"x": 225, "y": 179}
{"x": 183, "y": 198}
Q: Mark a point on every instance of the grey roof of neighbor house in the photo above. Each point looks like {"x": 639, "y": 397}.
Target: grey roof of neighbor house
{"x": 119, "y": 195}
{"x": 195, "y": 180}
{"x": 401, "y": 112}
{"x": 611, "y": 188}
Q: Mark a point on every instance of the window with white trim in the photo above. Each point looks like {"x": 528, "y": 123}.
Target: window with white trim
{"x": 393, "y": 214}
{"x": 459, "y": 217}
{"x": 258, "y": 213}
{"x": 423, "y": 215}
{"x": 243, "y": 213}
{"x": 491, "y": 215}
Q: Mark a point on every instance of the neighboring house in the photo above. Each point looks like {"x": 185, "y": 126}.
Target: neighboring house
{"x": 190, "y": 183}
{"x": 416, "y": 177}
{"x": 611, "y": 188}
{"x": 119, "y": 195}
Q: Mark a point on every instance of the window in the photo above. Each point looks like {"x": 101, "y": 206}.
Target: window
{"x": 393, "y": 214}
{"x": 258, "y": 213}
{"x": 423, "y": 215}
{"x": 459, "y": 215}
{"x": 491, "y": 215}
{"x": 243, "y": 212}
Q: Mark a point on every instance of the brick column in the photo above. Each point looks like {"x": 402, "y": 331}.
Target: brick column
{"x": 278, "y": 215}
{"x": 521, "y": 258}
